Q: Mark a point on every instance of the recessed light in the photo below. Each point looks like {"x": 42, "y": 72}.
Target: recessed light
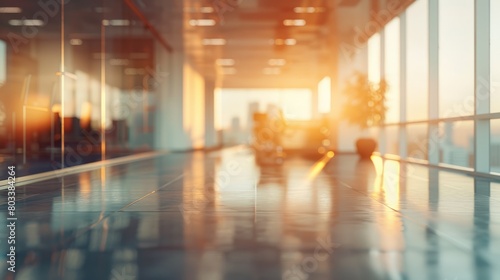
{"x": 288, "y": 42}
{"x": 277, "y": 62}
{"x": 26, "y": 22}
{"x": 76, "y": 42}
{"x": 206, "y": 10}
{"x": 10, "y": 10}
{"x": 225, "y": 62}
{"x": 308, "y": 10}
{"x": 294, "y": 22}
{"x": 214, "y": 42}
{"x": 115, "y": 22}
{"x": 202, "y": 22}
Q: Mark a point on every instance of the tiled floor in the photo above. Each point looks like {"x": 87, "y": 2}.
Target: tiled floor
{"x": 219, "y": 216}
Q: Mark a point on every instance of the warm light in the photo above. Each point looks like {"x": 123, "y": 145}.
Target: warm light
{"x": 308, "y": 10}
{"x": 76, "y": 42}
{"x": 56, "y": 108}
{"x": 288, "y": 42}
{"x": 202, "y": 22}
{"x": 318, "y": 166}
{"x": 325, "y": 95}
{"x": 115, "y": 22}
{"x": 225, "y": 62}
{"x": 213, "y": 42}
{"x": 277, "y": 62}
{"x": 271, "y": 71}
{"x": 26, "y": 22}
{"x": 10, "y": 10}
{"x": 101, "y": 10}
{"x": 206, "y": 10}
{"x": 294, "y": 22}
{"x": 86, "y": 114}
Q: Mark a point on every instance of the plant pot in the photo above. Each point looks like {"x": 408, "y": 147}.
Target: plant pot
{"x": 365, "y": 147}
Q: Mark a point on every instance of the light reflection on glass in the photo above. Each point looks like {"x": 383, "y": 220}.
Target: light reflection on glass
{"x": 391, "y": 185}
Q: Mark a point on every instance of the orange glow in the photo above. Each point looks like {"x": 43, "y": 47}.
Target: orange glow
{"x": 86, "y": 113}
{"x": 193, "y": 103}
{"x": 84, "y": 183}
{"x": 56, "y": 108}
{"x": 391, "y": 184}
{"x": 378, "y": 162}
{"x": 318, "y": 166}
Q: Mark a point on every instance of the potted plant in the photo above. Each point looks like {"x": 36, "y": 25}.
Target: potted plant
{"x": 365, "y": 107}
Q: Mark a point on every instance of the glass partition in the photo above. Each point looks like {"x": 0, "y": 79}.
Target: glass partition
{"x": 78, "y": 83}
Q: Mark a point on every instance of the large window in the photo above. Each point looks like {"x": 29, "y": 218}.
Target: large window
{"x": 417, "y": 141}
{"x": 495, "y": 55}
{"x": 495, "y": 146}
{"x": 374, "y": 58}
{"x": 457, "y": 143}
{"x": 453, "y": 143}
{"x": 392, "y": 70}
{"x": 456, "y": 58}
{"x": 417, "y": 63}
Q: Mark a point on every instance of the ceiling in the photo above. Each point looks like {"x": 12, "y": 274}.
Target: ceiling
{"x": 259, "y": 49}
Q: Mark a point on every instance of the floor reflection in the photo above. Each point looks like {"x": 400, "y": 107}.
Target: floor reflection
{"x": 219, "y": 216}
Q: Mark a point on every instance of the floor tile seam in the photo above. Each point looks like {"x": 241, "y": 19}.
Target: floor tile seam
{"x": 67, "y": 242}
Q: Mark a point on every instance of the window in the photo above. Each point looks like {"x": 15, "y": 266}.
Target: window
{"x": 417, "y": 63}
{"x": 456, "y": 58}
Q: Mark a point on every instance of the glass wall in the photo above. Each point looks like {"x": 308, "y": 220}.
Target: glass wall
{"x": 456, "y": 58}
{"x": 457, "y": 143}
{"x": 452, "y": 145}
{"x": 417, "y": 147}
{"x": 392, "y": 70}
{"x": 495, "y": 55}
{"x": 77, "y": 83}
{"x": 495, "y": 146}
{"x": 417, "y": 65}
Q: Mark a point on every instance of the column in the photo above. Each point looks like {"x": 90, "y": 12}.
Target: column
{"x": 210, "y": 133}
{"x": 482, "y": 85}
{"x": 433, "y": 151}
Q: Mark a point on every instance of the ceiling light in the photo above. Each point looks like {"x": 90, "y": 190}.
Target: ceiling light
{"x": 119, "y": 62}
{"x": 206, "y": 10}
{"x": 288, "y": 42}
{"x": 229, "y": 71}
{"x": 202, "y": 22}
{"x": 213, "y": 42}
{"x": 271, "y": 71}
{"x": 76, "y": 42}
{"x": 308, "y": 10}
{"x": 10, "y": 10}
{"x": 225, "y": 62}
{"x": 101, "y": 10}
{"x": 277, "y": 62}
{"x": 294, "y": 22}
{"x": 115, "y": 22}
{"x": 26, "y": 22}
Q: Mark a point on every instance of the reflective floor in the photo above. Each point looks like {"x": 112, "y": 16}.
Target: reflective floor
{"x": 219, "y": 216}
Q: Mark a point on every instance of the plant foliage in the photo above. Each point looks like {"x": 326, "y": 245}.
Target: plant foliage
{"x": 365, "y": 101}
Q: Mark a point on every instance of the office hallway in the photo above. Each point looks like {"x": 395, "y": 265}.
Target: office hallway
{"x": 217, "y": 216}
